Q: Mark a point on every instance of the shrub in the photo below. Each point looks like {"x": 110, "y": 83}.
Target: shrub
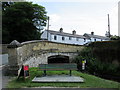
{"x": 85, "y": 54}
{"x": 94, "y": 65}
{"x": 97, "y": 67}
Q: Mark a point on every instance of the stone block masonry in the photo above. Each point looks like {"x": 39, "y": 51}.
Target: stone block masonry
{"x": 37, "y": 52}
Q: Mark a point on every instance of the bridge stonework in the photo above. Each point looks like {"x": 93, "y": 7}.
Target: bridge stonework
{"x": 37, "y": 52}
{"x": 43, "y": 58}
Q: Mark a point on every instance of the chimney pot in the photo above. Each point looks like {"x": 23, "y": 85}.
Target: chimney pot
{"x": 92, "y": 33}
{"x": 61, "y": 30}
{"x": 73, "y": 32}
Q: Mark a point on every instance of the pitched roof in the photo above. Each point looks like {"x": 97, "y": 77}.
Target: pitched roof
{"x": 96, "y": 36}
{"x": 65, "y": 34}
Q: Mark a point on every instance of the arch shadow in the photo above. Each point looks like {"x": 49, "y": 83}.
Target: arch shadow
{"x": 58, "y": 59}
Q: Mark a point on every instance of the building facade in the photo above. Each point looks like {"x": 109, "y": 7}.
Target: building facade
{"x": 93, "y": 38}
{"x": 62, "y": 37}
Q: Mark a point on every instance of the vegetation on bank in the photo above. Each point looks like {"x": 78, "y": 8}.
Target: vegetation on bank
{"x": 107, "y": 51}
{"x": 90, "y": 81}
{"x": 115, "y": 37}
{"x": 102, "y": 59}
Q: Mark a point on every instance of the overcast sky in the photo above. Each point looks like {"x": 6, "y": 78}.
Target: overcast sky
{"x": 84, "y": 16}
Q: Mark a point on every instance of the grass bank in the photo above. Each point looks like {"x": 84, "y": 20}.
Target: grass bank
{"x": 90, "y": 81}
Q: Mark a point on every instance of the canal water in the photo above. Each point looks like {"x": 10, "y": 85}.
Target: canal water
{"x": 3, "y": 59}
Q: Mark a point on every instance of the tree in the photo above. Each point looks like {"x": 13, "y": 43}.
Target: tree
{"x": 5, "y": 32}
{"x": 19, "y": 21}
{"x": 6, "y": 4}
{"x": 40, "y": 17}
{"x": 115, "y": 37}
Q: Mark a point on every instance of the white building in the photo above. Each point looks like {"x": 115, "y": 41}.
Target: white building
{"x": 62, "y": 37}
{"x": 93, "y": 38}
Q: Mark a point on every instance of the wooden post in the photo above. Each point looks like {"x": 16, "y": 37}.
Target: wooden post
{"x": 44, "y": 72}
{"x": 70, "y": 72}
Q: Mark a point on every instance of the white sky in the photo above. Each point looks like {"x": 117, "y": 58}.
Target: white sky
{"x": 83, "y": 16}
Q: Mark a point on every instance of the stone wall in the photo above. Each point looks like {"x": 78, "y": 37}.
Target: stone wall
{"x": 37, "y": 52}
{"x": 43, "y": 58}
{"x": 36, "y": 48}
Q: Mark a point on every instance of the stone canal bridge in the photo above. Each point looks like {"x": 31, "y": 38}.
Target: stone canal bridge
{"x": 38, "y": 52}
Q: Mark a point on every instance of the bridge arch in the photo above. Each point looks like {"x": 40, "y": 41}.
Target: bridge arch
{"x": 44, "y": 58}
{"x": 38, "y": 52}
{"x": 58, "y": 59}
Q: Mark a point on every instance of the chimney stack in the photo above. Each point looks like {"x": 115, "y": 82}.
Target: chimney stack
{"x": 61, "y": 30}
{"x": 92, "y": 33}
{"x": 73, "y": 32}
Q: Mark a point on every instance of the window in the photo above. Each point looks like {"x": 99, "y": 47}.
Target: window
{"x": 70, "y": 38}
{"x": 84, "y": 40}
{"x": 101, "y": 39}
{"x": 55, "y": 37}
{"x": 63, "y": 38}
{"x": 94, "y": 39}
{"x": 77, "y": 39}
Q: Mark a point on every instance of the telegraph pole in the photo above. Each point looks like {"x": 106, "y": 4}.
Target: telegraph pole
{"x": 48, "y": 27}
{"x": 48, "y": 23}
{"x": 109, "y": 26}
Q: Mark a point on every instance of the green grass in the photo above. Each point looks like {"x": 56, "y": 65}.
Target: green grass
{"x": 90, "y": 81}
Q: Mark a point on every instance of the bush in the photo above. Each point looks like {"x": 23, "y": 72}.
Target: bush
{"x": 107, "y": 51}
{"x": 85, "y": 54}
{"x": 94, "y": 65}
{"x": 97, "y": 67}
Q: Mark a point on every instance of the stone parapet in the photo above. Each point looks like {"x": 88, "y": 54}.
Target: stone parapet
{"x": 37, "y": 51}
